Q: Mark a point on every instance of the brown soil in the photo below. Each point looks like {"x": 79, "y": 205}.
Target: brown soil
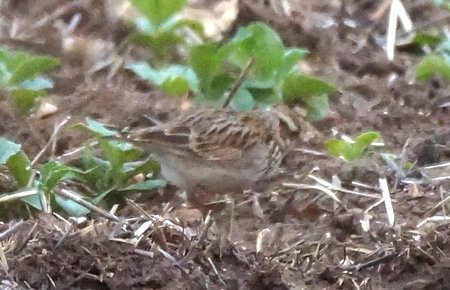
{"x": 308, "y": 240}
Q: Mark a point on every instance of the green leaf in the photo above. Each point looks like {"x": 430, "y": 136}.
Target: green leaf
{"x": 218, "y": 86}
{"x": 102, "y": 195}
{"x": 175, "y": 86}
{"x": 7, "y": 149}
{"x": 5, "y": 74}
{"x": 33, "y": 200}
{"x": 117, "y": 153}
{"x": 338, "y": 148}
{"x": 442, "y": 3}
{"x": 363, "y": 141}
{"x": 444, "y": 48}
{"x": 175, "y": 23}
{"x": 53, "y": 172}
{"x": 351, "y": 151}
{"x": 431, "y": 65}
{"x": 97, "y": 128}
{"x": 14, "y": 60}
{"x": 19, "y": 165}
{"x": 5, "y": 71}
{"x": 4, "y": 55}
{"x": 145, "y": 185}
{"x": 99, "y": 176}
{"x": 208, "y": 63}
{"x": 408, "y": 165}
{"x": 149, "y": 166}
{"x": 146, "y": 72}
{"x": 163, "y": 40}
{"x": 158, "y": 11}
{"x": 260, "y": 84}
{"x": 423, "y": 38}
{"x": 16, "y": 160}
{"x": 297, "y": 86}
{"x": 161, "y": 43}
{"x": 242, "y": 100}
{"x": 260, "y": 42}
{"x": 265, "y": 95}
{"x": 24, "y": 99}
{"x": 311, "y": 91}
{"x": 205, "y": 63}
{"x": 143, "y": 25}
{"x": 159, "y": 76}
{"x": 317, "y": 107}
{"x": 291, "y": 58}
{"x": 71, "y": 207}
{"x": 31, "y": 67}
{"x": 37, "y": 84}
{"x": 19, "y": 73}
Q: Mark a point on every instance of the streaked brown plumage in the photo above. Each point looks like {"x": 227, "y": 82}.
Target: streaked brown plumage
{"x": 220, "y": 150}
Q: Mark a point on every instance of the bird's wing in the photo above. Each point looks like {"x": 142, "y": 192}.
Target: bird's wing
{"x": 210, "y": 134}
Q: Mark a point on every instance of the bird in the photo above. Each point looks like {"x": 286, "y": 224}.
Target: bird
{"x": 219, "y": 150}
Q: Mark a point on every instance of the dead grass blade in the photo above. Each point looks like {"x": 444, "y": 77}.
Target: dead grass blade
{"x": 316, "y": 186}
{"x": 17, "y": 195}
{"x": 397, "y": 12}
{"x": 51, "y": 141}
{"x": 67, "y": 194}
{"x": 333, "y": 187}
{"x": 387, "y": 201}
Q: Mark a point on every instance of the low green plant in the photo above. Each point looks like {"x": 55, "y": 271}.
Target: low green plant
{"x": 109, "y": 175}
{"x": 350, "y": 151}
{"x": 254, "y": 66}
{"x": 21, "y": 76}
{"x": 437, "y": 61}
{"x": 432, "y": 64}
{"x": 161, "y": 28}
{"x": 442, "y": 3}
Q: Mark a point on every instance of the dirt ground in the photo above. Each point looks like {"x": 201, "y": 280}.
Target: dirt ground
{"x": 306, "y": 239}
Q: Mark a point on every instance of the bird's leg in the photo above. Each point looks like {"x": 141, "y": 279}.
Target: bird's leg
{"x": 222, "y": 212}
{"x": 224, "y": 219}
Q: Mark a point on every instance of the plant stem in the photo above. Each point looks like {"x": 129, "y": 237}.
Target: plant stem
{"x": 238, "y": 82}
